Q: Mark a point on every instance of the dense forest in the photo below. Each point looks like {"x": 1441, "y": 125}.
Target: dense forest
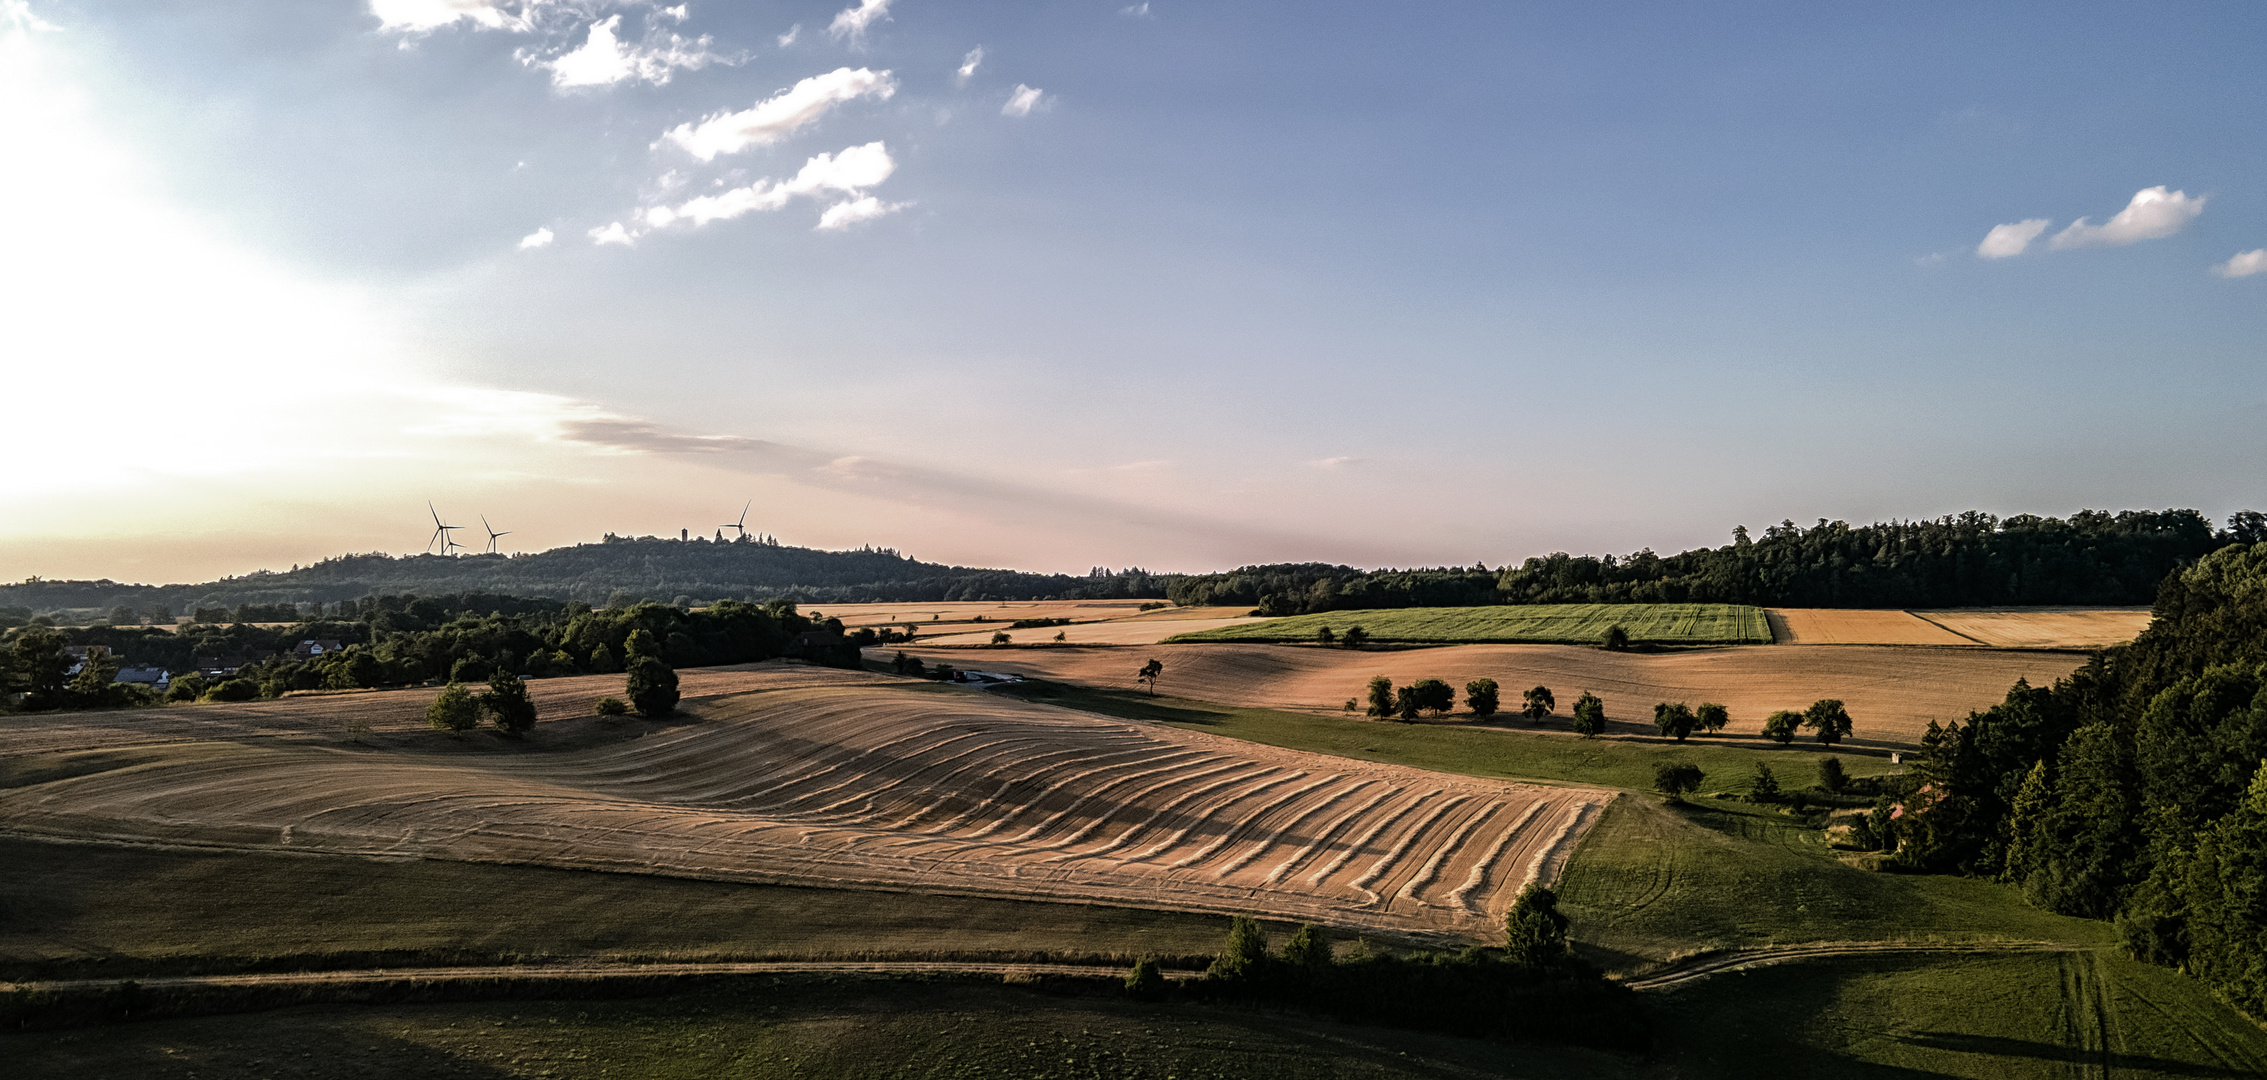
{"x": 616, "y": 570}
{"x": 1971, "y": 560}
{"x": 2133, "y": 790}
{"x": 404, "y": 640}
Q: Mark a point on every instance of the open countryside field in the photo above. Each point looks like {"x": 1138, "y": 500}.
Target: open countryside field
{"x": 1891, "y": 692}
{"x": 1566, "y": 624}
{"x": 857, "y": 784}
{"x": 2044, "y": 628}
{"x": 1856, "y": 626}
{"x": 1138, "y": 631}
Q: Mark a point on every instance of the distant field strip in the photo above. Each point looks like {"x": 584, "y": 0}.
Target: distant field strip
{"x": 2043, "y": 629}
{"x": 885, "y": 786}
{"x": 1517, "y": 624}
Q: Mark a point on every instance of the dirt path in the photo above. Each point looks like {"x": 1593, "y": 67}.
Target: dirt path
{"x": 584, "y": 972}
{"x": 1718, "y": 963}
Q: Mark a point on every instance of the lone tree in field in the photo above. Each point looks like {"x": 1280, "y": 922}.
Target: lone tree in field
{"x": 1309, "y": 949}
{"x": 1589, "y": 715}
{"x": 1674, "y": 780}
{"x": 507, "y": 704}
{"x": 1539, "y": 704}
{"x": 1381, "y": 697}
{"x": 1406, "y": 704}
{"x": 1675, "y": 721}
{"x": 1148, "y": 674}
{"x": 1434, "y": 696}
{"x": 1764, "y": 788}
{"x": 1780, "y": 726}
{"x": 1146, "y": 982}
{"x": 1616, "y": 639}
{"x": 1535, "y": 929}
{"x": 1712, "y": 717}
{"x": 1355, "y": 637}
{"x": 1325, "y": 637}
{"x": 1829, "y": 719}
{"x": 1831, "y": 777}
{"x": 1244, "y": 956}
{"x": 1000, "y": 637}
{"x": 652, "y": 684}
{"x": 455, "y": 710}
{"x": 1482, "y": 697}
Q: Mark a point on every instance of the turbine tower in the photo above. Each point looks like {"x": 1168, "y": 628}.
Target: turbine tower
{"x": 441, "y": 532}
{"x": 492, "y": 534}
{"x": 740, "y": 527}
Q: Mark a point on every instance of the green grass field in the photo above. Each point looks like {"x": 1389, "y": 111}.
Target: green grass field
{"x": 1517, "y": 624}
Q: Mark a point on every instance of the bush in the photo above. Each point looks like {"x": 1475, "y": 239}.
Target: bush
{"x": 1381, "y": 697}
{"x": 1245, "y": 955}
{"x": 610, "y": 706}
{"x": 1406, "y": 706}
{"x": 1354, "y": 638}
{"x": 652, "y": 686}
{"x": 1712, "y": 717}
{"x": 1434, "y": 696}
{"x": 1675, "y": 780}
{"x": 1146, "y": 982}
{"x": 1482, "y": 697}
{"x": 1589, "y": 715}
{"x": 1325, "y": 637}
{"x": 1780, "y": 726}
{"x": 1536, "y": 932}
{"x": 455, "y": 710}
{"x": 1308, "y": 950}
{"x": 507, "y": 704}
{"x": 185, "y": 688}
{"x": 1616, "y": 639}
{"x": 1765, "y": 787}
{"x": 237, "y": 689}
{"x": 1675, "y": 721}
{"x": 1539, "y": 703}
{"x": 1000, "y": 637}
{"x": 1831, "y": 778}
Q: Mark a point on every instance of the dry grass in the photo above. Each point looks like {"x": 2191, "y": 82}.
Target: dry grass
{"x": 2043, "y": 628}
{"x": 1846, "y": 626}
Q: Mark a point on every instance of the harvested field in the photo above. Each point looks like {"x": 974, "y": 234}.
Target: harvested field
{"x": 1141, "y": 631}
{"x": 1856, "y": 626}
{"x": 2044, "y": 628}
{"x": 1892, "y": 692}
{"x": 961, "y": 611}
{"x": 1564, "y": 624}
{"x": 853, "y": 784}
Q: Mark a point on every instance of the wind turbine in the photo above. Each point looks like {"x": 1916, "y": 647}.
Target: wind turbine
{"x": 492, "y": 533}
{"x": 441, "y": 532}
{"x": 741, "y": 526}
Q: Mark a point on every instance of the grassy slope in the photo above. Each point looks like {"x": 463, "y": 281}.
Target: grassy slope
{"x": 149, "y": 909}
{"x": 1463, "y": 748}
{"x": 1538, "y": 624}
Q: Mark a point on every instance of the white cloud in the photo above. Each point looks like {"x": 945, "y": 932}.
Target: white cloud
{"x": 421, "y": 15}
{"x": 1136, "y": 11}
{"x": 2243, "y": 265}
{"x": 612, "y": 233}
{"x": 969, "y": 63}
{"x": 1335, "y": 462}
{"x": 1022, "y": 101}
{"x": 539, "y": 238}
{"x": 680, "y": 13}
{"x": 603, "y": 60}
{"x": 2005, "y": 241}
{"x": 842, "y": 215}
{"x": 789, "y": 37}
{"x": 848, "y": 172}
{"x": 852, "y": 22}
{"x": 781, "y": 114}
{"x": 2153, "y": 213}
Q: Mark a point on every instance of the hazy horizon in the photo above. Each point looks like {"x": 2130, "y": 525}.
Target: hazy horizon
{"x": 1185, "y": 287}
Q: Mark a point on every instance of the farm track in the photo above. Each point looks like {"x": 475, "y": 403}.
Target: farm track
{"x": 586, "y": 972}
{"x": 861, "y": 782}
{"x": 1707, "y": 965}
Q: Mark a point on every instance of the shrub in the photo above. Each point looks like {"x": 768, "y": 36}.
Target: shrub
{"x": 1245, "y": 955}
{"x": 602, "y": 660}
{"x": 1325, "y": 637}
{"x": 652, "y": 686}
{"x": 1309, "y": 949}
{"x": 455, "y": 710}
{"x": 1381, "y": 697}
{"x": 1482, "y": 697}
{"x": 507, "y": 704}
{"x": 1830, "y": 775}
{"x": 1712, "y": 717}
{"x": 1616, "y": 638}
{"x": 1589, "y": 715}
{"x": 1000, "y": 637}
{"x": 1675, "y": 721}
{"x": 1780, "y": 726}
{"x": 1675, "y": 780}
{"x": 237, "y": 689}
{"x": 1146, "y": 982}
{"x": 1355, "y": 637}
{"x": 1765, "y": 787}
{"x": 610, "y": 706}
{"x": 185, "y": 688}
{"x": 1539, "y": 703}
{"x": 1536, "y": 931}
{"x": 1406, "y": 706}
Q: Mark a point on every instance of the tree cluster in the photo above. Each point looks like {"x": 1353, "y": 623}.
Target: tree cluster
{"x": 2132, "y": 790}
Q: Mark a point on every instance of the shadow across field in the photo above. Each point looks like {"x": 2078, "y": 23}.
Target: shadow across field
{"x": 2000, "y": 1046}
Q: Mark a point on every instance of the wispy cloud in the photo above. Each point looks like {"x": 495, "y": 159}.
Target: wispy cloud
{"x": 2153, "y": 213}
{"x": 2243, "y": 265}
{"x": 780, "y": 115}
{"x": 539, "y": 238}
{"x": 1335, "y": 462}
{"x": 853, "y": 22}
{"x": 969, "y": 64}
{"x": 612, "y": 233}
{"x": 604, "y": 59}
{"x": 418, "y": 16}
{"x": 849, "y": 172}
{"x": 2007, "y": 241}
{"x": 1020, "y": 103}
{"x": 1136, "y": 11}
{"x": 793, "y": 33}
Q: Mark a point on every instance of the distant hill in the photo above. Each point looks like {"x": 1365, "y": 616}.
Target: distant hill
{"x": 641, "y": 568}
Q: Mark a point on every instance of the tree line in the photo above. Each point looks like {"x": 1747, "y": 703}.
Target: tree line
{"x": 1827, "y": 719}
{"x": 407, "y": 641}
{"x": 2132, "y": 790}
{"x": 1971, "y": 559}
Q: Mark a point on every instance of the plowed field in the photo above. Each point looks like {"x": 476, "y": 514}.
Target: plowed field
{"x": 1891, "y": 692}
{"x": 852, "y": 783}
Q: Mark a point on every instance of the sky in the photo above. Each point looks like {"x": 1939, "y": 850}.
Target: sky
{"x": 1051, "y": 286}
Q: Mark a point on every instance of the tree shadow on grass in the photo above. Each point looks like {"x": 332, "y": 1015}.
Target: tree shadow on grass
{"x": 1999, "y": 1046}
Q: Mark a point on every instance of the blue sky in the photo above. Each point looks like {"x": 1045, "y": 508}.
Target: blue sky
{"x": 1178, "y": 285}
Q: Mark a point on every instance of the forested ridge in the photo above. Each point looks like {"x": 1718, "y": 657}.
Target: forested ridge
{"x": 2133, "y": 790}
{"x": 1969, "y": 560}
{"x": 615, "y": 570}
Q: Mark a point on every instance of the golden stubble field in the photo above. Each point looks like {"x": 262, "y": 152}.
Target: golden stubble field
{"x": 806, "y": 776}
{"x": 2007, "y": 628}
{"x": 1891, "y": 692}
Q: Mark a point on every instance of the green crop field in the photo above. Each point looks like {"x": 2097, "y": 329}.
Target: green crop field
{"x": 1517, "y": 624}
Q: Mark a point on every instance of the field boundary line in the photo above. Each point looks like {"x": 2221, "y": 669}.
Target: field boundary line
{"x": 1949, "y": 630}
{"x": 1700, "y": 967}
